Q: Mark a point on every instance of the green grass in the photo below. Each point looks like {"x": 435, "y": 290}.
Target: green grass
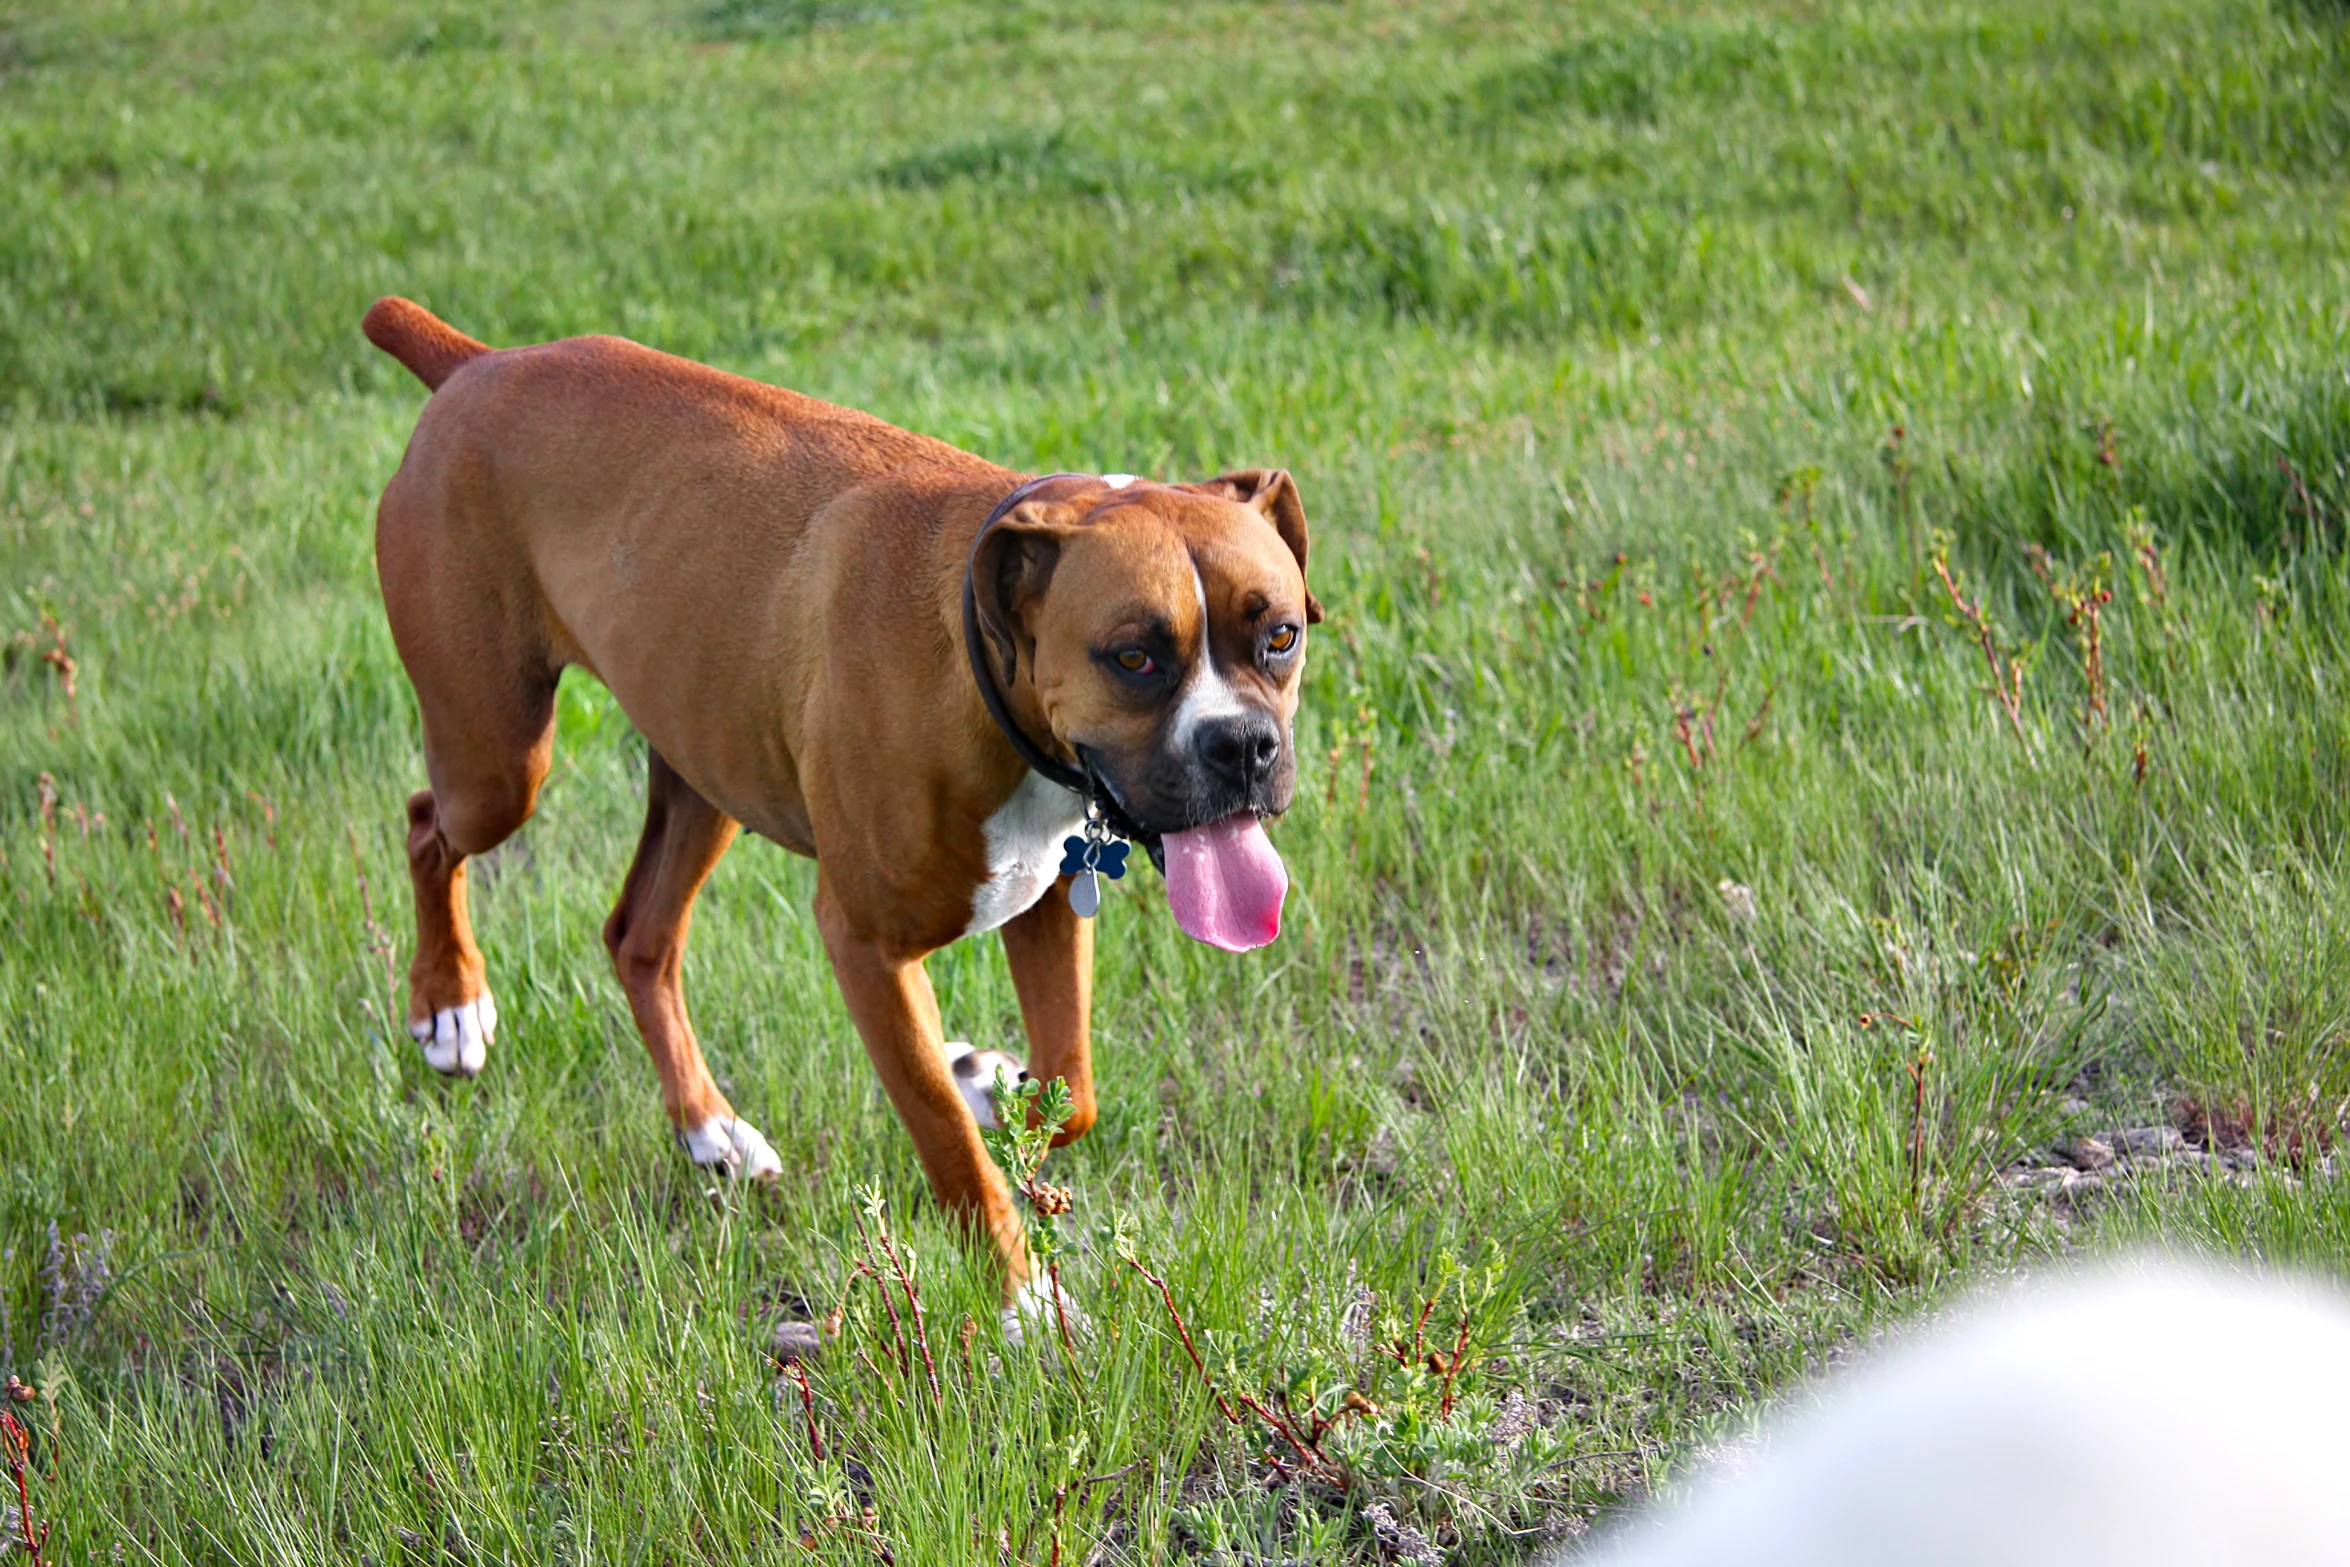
{"x": 1587, "y": 335}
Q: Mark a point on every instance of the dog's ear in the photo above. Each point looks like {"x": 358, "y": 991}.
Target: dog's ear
{"x": 1273, "y": 494}
{"x": 1009, "y": 574}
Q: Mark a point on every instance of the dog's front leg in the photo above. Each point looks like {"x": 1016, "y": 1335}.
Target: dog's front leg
{"x": 1051, "y": 954}
{"x": 891, "y": 1002}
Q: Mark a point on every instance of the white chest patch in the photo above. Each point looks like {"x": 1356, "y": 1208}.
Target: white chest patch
{"x": 1024, "y": 839}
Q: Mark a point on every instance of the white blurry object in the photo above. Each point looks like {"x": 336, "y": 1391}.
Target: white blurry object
{"x": 2150, "y": 1414}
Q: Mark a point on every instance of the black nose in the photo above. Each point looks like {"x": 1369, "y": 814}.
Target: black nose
{"x": 1240, "y": 751}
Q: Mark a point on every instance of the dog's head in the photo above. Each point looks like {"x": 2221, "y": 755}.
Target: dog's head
{"x": 1158, "y": 633}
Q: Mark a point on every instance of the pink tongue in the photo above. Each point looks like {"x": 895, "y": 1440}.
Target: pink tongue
{"x": 1226, "y": 884}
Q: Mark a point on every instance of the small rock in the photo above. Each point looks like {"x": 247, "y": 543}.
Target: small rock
{"x": 1517, "y": 1416}
{"x": 1403, "y": 1542}
{"x": 794, "y": 1342}
{"x": 2146, "y": 1142}
{"x": 2085, "y": 1153}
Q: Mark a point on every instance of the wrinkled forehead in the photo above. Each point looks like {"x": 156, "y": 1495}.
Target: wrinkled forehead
{"x": 1177, "y": 551}
{"x": 1248, "y": 568}
{"x": 1127, "y": 565}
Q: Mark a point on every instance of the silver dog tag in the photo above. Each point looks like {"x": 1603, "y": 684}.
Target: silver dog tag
{"x": 1085, "y": 894}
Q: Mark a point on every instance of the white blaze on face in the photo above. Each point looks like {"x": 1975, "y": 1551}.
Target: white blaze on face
{"x": 1207, "y": 695}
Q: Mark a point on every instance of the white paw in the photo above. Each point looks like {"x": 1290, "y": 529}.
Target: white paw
{"x": 733, "y": 1145}
{"x": 456, "y": 1040}
{"x": 1031, "y": 1311}
{"x": 976, "y": 1072}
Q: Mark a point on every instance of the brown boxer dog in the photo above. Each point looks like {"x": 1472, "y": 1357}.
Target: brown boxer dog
{"x": 809, "y": 615}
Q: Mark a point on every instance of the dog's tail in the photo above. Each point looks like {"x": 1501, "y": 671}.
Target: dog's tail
{"x": 416, "y": 337}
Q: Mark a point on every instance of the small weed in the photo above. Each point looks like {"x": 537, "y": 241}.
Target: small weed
{"x": 1029, "y": 1116}
{"x": 62, "y": 664}
{"x": 2081, "y": 594}
{"x": 2003, "y": 660}
{"x": 24, "y": 1532}
{"x": 76, "y": 1275}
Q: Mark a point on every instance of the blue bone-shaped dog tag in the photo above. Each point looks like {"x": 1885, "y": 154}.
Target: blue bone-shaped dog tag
{"x": 1086, "y": 858}
{"x": 1079, "y": 856}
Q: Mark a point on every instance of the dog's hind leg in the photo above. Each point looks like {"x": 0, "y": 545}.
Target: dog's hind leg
{"x": 683, "y": 839}
{"x": 485, "y": 675}
{"x": 485, "y": 781}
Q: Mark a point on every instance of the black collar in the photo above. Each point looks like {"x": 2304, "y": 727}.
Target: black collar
{"x": 1081, "y": 780}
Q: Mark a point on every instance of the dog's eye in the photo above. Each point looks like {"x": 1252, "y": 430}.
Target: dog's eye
{"x": 1283, "y": 638}
{"x": 1136, "y": 662}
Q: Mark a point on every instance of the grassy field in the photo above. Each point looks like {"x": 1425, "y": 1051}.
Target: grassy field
{"x": 1705, "y": 907}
